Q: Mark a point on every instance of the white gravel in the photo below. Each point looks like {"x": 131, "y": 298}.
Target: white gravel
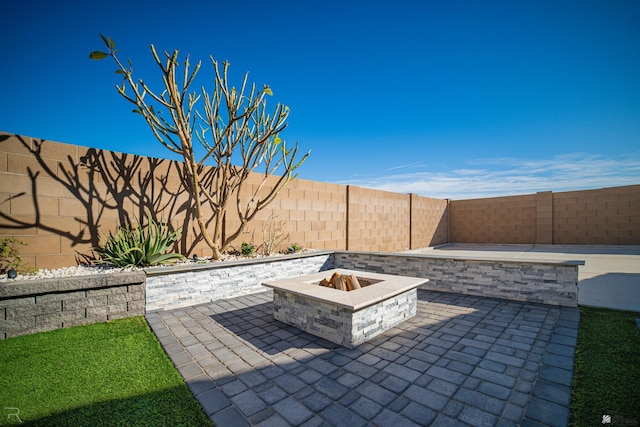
{"x": 79, "y": 270}
{"x": 85, "y": 270}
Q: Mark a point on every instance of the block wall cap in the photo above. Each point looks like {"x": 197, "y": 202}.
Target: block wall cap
{"x": 468, "y": 258}
{"x": 33, "y": 287}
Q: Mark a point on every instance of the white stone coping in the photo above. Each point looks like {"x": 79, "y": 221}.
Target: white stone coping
{"x": 387, "y": 286}
{"x": 212, "y": 265}
{"x": 471, "y": 258}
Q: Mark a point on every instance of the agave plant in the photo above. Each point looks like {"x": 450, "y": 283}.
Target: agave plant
{"x": 139, "y": 246}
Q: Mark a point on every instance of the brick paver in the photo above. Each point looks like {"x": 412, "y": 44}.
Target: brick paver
{"x": 462, "y": 360}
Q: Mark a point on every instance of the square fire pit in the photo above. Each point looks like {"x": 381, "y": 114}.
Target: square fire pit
{"x": 347, "y": 318}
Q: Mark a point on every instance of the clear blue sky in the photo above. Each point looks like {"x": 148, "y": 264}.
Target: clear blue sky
{"x": 449, "y": 99}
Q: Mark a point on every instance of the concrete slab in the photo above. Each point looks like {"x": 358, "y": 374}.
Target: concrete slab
{"x": 610, "y": 277}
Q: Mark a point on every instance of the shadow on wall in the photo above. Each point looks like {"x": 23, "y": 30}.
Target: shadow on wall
{"x": 429, "y": 221}
{"x": 441, "y": 233}
{"x": 112, "y": 188}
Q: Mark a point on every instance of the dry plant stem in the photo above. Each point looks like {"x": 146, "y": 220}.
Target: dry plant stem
{"x": 273, "y": 234}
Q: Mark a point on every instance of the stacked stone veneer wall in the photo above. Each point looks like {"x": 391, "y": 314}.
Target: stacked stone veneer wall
{"x": 41, "y": 305}
{"x": 339, "y": 324}
{"x": 169, "y": 288}
{"x": 553, "y": 283}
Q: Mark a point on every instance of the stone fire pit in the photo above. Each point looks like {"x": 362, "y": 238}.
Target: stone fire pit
{"x": 347, "y": 318}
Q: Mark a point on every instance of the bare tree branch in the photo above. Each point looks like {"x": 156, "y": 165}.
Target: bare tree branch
{"x": 234, "y": 125}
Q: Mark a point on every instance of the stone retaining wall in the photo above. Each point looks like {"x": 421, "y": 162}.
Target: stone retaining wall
{"x": 176, "y": 287}
{"x": 549, "y": 282}
{"x": 40, "y": 305}
{"x": 32, "y": 306}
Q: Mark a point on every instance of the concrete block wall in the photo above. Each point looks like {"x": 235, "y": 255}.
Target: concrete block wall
{"x": 314, "y": 215}
{"x": 553, "y": 283}
{"x": 317, "y": 211}
{"x": 176, "y": 287}
{"x": 494, "y": 220}
{"x": 377, "y": 220}
{"x": 60, "y": 198}
{"x": 429, "y": 221}
{"x": 609, "y": 216}
{"x": 32, "y": 306}
{"x": 544, "y": 218}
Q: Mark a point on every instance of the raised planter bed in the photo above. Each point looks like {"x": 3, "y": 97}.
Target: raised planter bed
{"x": 182, "y": 286}
{"x": 347, "y": 318}
{"x": 536, "y": 281}
{"x": 31, "y": 306}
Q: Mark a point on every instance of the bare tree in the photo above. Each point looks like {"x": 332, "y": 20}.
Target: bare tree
{"x": 234, "y": 126}
{"x": 273, "y": 234}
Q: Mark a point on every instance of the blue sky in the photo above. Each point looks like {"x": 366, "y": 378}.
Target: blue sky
{"x": 449, "y": 99}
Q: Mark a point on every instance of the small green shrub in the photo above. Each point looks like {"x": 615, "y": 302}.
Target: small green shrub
{"x": 139, "y": 246}
{"x": 247, "y": 249}
{"x": 9, "y": 254}
{"x": 295, "y": 248}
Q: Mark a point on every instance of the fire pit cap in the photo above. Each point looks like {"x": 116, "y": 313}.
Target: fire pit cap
{"x": 384, "y": 287}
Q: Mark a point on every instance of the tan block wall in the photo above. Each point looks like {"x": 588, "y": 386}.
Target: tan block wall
{"x": 60, "y": 198}
{"x": 609, "y": 216}
{"x": 544, "y": 218}
{"x": 429, "y": 221}
{"x": 313, "y": 214}
{"x": 377, "y": 220}
{"x": 494, "y": 220}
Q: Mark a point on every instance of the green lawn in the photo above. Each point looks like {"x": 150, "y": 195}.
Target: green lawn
{"x": 117, "y": 374}
{"x": 105, "y": 374}
{"x": 607, "y": 369}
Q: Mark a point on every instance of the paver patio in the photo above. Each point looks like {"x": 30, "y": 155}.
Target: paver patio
{"x": 462, "y": 360}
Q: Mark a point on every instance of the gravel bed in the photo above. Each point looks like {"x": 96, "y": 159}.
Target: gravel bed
{"x": 86, "y": 270}
{"x": 78, "y": 270}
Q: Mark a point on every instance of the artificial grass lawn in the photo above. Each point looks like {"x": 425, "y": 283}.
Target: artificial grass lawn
{"x": 105, "y": 374}
{"x": 606, "y": 378}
